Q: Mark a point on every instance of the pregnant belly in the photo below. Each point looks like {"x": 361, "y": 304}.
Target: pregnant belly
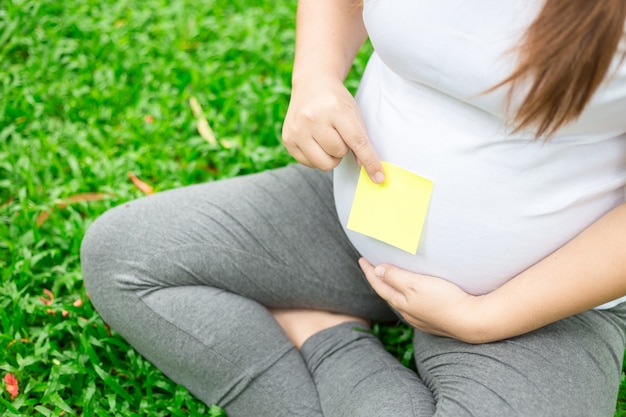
{"x": 480, "y": 230}
{"x": 500, "y": 203}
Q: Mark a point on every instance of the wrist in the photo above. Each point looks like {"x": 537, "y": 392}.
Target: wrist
{"x": 496, "y": 317}
{"x": 479, "y": 322}
{"x": 305, "y": 75}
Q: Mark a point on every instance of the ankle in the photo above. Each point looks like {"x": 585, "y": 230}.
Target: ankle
{"x": 301, "y": 324}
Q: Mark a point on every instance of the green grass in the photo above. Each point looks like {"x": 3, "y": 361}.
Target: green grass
{"x": 90, "y": 91}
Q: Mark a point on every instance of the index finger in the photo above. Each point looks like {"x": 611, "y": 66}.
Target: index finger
{"x": 354, "y": 135}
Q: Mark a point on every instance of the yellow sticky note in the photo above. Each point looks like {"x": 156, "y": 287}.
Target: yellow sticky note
{"x": 393, "y": 212}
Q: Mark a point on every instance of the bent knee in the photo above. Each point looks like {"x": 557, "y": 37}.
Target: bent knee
{"x": 103, "y": 239}
{"x": 106, "y": 251}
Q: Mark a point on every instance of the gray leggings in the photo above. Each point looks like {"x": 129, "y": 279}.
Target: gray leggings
{"x": 186, "y": 276}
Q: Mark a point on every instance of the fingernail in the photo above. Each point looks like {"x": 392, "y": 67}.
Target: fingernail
{"x": 379, "y": 177}
{"x": 379, "y": 271}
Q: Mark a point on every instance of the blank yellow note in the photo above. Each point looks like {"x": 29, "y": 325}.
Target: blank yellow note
{"x": 394, "y": 211}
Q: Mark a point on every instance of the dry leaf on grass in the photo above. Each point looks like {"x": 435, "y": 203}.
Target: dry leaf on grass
{"x": 76, "y": 198}
{"x": 143, "y": 187}
{"x": 6, "y": 203}
{"x": 43, "y": 216}
{"x": 49, "y": 297}
{"x": 202, "y": 125}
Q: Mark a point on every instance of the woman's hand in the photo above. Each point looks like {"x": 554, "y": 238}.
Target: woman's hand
{"x": 584, "y": 273}
{"x": 427, "y": 303}
{"x": 323, "y": 123}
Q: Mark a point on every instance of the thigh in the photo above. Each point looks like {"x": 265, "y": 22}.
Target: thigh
{"x": 569, "y": 368}
{"x": 273, "y": 237}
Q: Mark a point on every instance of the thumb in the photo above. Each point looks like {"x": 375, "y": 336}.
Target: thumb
{"x": 396, "y": 278}
{"x": 391, "y": 288}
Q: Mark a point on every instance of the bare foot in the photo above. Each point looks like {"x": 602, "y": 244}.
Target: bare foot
{"x": 300, "y": 324}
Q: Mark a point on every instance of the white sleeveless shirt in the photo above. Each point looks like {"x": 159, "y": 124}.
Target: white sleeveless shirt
{"x": 501, "y": 202}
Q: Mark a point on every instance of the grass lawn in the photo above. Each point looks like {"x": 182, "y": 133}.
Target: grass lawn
{"x": 99, "y": 102}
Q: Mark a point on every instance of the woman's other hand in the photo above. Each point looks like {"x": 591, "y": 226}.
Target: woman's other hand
{"x": 430, "y": 304}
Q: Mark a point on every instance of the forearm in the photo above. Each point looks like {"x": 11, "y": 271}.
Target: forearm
{"x": 329, "y": 33}
{"x": 586, "y": 272}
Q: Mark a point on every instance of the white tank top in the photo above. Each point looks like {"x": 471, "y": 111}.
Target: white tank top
{"x": 501, "y": 202}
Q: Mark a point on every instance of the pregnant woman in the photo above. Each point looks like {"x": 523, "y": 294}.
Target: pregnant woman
{"x": 255, "y": 294}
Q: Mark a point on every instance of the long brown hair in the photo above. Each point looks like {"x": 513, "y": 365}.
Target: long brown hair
{"x": 563, "y": 57}
{"x": 565, "y": 54}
